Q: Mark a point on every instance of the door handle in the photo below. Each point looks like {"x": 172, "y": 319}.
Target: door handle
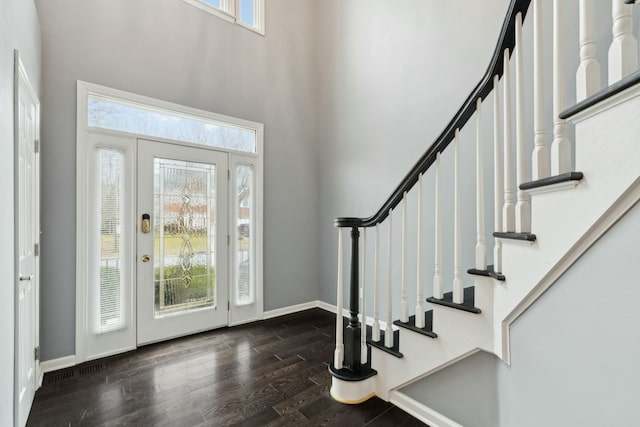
{"x": 145, "y": 258}
{"x": 26, "y": 278}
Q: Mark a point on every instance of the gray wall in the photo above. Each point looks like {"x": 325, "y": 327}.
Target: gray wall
{"x": 466, "y": 392}
{"x": 173, "y": 51}
{"x": 19, "y": 29}
{"x": 573, "y": 353}
{"x": 394, "y": 76}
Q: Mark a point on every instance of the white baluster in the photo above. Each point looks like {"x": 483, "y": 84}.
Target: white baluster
{"x": 540, "y": 160}
{"x": 509, "y": 208}
{"x": 419, "y": 291}
{"x": 623, "y": 53}
{"x": 437, "y": 275}
{"x": 523, "y": 208}
{"x": 497, "y": 175}
{"x": 458, "y": 296}
{"x": 561, "y": 147}
{"x": 404, "y": 307}
{"x": 588, "y": 74}
{"x": 388, "y": 332}
{"x": 363, "y": 301}
{"x": 375, "y": 328}
{"x": 338, "y": 356}
{"x": 481, "y": 249}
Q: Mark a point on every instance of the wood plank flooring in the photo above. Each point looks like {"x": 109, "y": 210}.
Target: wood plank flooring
{"x": 269, "y": 373}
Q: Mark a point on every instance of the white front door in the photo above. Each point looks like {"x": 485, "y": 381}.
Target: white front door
{"x": 182, "y": 245}
{"x": 27, "y": 237}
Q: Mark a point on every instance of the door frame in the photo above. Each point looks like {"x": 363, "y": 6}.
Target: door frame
{"x": 21, "y": 79}
{"x": 83, "y": 131}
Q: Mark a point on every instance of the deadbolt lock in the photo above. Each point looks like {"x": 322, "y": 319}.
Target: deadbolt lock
{"x": 146, "y": 223}
{"x": 145, "y": 258}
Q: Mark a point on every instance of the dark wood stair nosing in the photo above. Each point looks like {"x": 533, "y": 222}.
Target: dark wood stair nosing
{"x": 489, "y": 272}
{"x": 411, "y": 325}
{"x": 345, "y": 374}
{"x": 552, "y": 180}
{"x": 394, "y": 351}
{"x": 467, "y": 305}
{"x": 515, "y": 236}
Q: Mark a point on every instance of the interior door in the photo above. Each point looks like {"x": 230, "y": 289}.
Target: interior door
{"x": 27, "y": 238}
{"x": 182, "y": 245}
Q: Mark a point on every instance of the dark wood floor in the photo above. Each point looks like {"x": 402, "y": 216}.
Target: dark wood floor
{"x": 271, "y": 373}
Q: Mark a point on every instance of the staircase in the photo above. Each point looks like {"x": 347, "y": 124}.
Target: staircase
{"x": 581, "y": 183}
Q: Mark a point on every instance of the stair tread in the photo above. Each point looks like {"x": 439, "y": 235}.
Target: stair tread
{"x": 489, "y": 272}
{"x": 348, "y": 375}
{"x": 515, "y": 236}
{"x": 411, "y": 325}
{"x": 395, "y": 350}
{"x": 467, "y": 303}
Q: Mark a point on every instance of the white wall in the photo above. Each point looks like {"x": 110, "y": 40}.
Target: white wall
{"x": 19, "y": 29}
{"x": 173, "y": 51}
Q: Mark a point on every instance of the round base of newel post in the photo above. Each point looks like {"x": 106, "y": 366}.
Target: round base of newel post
{"x": 352, "y": 392}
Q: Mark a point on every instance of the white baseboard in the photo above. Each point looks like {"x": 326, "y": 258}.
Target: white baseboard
{"x": 55, "y": 364}
{"x": 289, "y": 310}
{"x": 420, "y": 411}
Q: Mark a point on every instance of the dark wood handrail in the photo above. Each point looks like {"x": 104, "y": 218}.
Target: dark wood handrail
{"x": 507, "y": 40}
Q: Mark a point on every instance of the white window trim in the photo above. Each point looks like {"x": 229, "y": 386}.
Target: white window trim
{"x": 84, "y": 89}
{"x": 230, "y": 12}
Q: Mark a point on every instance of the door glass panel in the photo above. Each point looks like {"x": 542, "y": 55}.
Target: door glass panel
{"x": 184, "y": 236}
{"x": 244, "y": 247}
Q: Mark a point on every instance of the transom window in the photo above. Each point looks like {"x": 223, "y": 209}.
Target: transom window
{"x": 247, "y": 13}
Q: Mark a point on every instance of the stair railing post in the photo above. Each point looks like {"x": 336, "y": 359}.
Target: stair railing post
{"x": 523, "y": 207}
{"x": 623, "y": 53}
{"x": 352, "y": 349}
{"x": 388, "y": 331}
{"x": 540, "y": 160}
{"x": 404, "y": 304}
{"x": 437, "y": 270}
{"x": 588, "y": 74}
{"x": 375, "y": 328}
{"x": 458, "y": 296}
{"x": 509, "y": 208}
{"x": 498, "y": 195}
{"x": 419, "y": 285}
{"x": 338, "y": 356}
{"x": 481, "y": 248}
{"x": 561, "y": 147}
{"x": 363, "y": 301}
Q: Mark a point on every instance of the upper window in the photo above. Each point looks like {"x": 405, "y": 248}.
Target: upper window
{"x": 248, "y": 13}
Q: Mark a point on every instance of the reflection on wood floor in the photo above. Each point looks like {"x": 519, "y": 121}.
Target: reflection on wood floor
{"x": 268, "y": 373}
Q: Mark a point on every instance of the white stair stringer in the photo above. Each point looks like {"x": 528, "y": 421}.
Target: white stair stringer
{"x": 460, "y": 334}
{"x": 567, "y": 223}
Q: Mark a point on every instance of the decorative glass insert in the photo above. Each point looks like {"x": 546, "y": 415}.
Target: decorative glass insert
{"x": 244, "y": 264}
{"x": 184, "y": 227}
{"x": 110, "y": 217}
{"x": 107, "y": 113}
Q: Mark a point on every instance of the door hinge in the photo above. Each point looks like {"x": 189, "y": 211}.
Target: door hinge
{"x": 228, "y": 173}
{"x": 36, "y": 249}
{"x": 228, "y": 240}
{"x": 228, "y": 305}
{"x": 36, "y": 146}
{"x": 36, "y": 353}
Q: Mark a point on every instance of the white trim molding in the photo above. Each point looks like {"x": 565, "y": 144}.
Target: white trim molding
{"x": 421, "y": 411}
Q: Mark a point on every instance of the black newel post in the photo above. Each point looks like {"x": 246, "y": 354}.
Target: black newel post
{"x": 352, "y": 348}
